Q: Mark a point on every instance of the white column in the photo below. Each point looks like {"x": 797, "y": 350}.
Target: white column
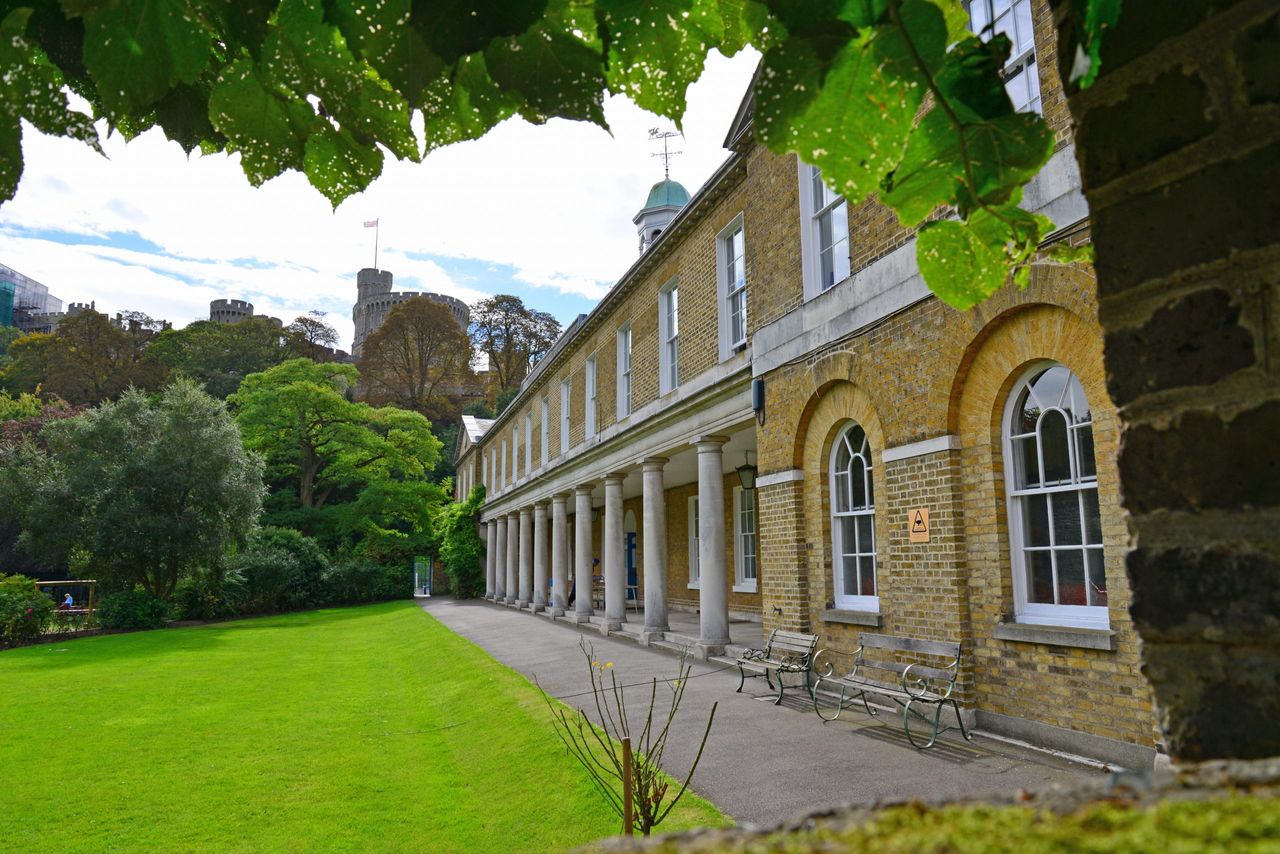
{"x": 526, "y": 557}
{"x": 712, "y": 567}
{"x": 539, "y": 557}
{"x": 582, "y": 550}
{"x": 490, "y": 533}
{"x": 615, "y": 567}
{"x": 499, "y": 558}
{"x": 655, "y": 547}
{"x": 513, "y": 557}
{"x": 559, "y": 555}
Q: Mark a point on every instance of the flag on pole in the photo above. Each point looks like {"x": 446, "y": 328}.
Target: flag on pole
{"x": 371, "y": 223}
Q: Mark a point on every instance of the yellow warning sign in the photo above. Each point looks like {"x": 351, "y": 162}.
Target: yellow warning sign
{"x": 918, "y": 524}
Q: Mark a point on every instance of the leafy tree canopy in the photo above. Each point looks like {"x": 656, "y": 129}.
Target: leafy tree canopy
{"x": 419, "y": 359}
{"x": 327, "y": 87}
{"x": 512, "y": 336}
{"x": 311, "y": 337}
{"x": 319, "y": 442}
{"x": 220, "y": 355}
{"x": 149, "y": 490}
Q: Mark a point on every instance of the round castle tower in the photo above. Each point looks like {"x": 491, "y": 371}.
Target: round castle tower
{"x": 230, "y": 310}
{"x": 374, "y": 299}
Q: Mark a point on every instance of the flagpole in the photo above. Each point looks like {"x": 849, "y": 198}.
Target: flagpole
{"x": 376, "y": 229}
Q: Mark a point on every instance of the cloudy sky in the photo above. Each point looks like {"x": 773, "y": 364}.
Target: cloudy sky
{"x": 542, "y": 212}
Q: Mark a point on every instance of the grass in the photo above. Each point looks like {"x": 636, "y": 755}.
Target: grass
{"x": 372, "y": 728}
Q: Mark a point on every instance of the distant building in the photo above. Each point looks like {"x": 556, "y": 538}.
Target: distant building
{"x": 23, "y": 300}
{"x": 374, "y": 299}
{"x": 234, "y": 311}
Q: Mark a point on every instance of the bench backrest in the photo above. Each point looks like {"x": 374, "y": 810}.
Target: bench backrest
{"x": 944, "y": 649}
{"x": 794, "y": 643}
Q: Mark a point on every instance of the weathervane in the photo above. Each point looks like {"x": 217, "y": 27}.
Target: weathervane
{"x": 666, "y": 154}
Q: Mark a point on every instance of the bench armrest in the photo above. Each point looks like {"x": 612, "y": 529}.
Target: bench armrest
{"x": 919, "y": 689}
{"x": 754, "y": 655}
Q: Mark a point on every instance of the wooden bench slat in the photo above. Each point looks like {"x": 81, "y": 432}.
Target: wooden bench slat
{"x": 920, "y": 670}
{"x": 799, "y": 637}
{"x": 928, "y": 647}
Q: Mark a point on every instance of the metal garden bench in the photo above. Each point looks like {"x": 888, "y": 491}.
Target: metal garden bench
{"x": 917, "y": 685}
{"x": 785, "y": 652}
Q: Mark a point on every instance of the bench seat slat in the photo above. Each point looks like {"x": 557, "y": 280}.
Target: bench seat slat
{"x": 920, "y": 670}
{"x": 928, "y": 647}
{"x": 886, "y": 688}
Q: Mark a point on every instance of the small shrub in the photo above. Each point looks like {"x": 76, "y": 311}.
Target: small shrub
{"x": 210, "y": 595}
{"x": 352, "y": 580}
{"x": 133, "y": 609}
{"x": 24, "y": 610}
{"x": 270, "y": 578}
{"x": 312, "y": 562}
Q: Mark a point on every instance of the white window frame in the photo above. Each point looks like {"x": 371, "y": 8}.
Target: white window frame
{"x": 745, "y": 543}
{"x": 528, "y": 442}
{"x": 695, "y": 567}
{"x": 564, "y": 416}
{"x": 589, "y": 372}
{"x": 1025, "y": 611}
{"x": 810, "y": 251}
{"x": 1023, "y": 66}
{"x": 543, "y": 430}
{"x": 624, "y": 371}
{"x": 731, "y": 289}
{"x": 844, "y": 600}
{"x": 484, "y": 473}
{"x": 669, "y": 337}
{"x": 502, "y": 479}
{"x": 515, "y": 453}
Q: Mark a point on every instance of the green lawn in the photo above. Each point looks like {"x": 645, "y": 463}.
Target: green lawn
{"x": 371, "y": 728}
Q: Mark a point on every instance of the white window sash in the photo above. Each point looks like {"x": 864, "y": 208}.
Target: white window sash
{"x": 744, "y": 541}
{"x": 543, "y": 431}
{"x": 590, "y": 420}
{"x": 528, "y": 442}
{"x": 843, "y": 599}
{"x": 564, "y": 417}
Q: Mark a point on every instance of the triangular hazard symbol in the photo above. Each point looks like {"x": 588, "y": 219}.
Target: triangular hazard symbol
{"x": 917, "y": 523}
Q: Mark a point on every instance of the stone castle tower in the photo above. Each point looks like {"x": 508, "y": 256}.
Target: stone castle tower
{"x": 374, "y": 299}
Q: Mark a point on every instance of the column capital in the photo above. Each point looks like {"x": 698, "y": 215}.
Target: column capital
{"x": 615, "y": 477}
{"x": 584, "y": 489}
{"x": 560, "y": 498}
{"x": 707, "y": 444}
{"x": 540, "y": 507}
{"x": 526, "y": 511}
{"x": 654, "y": 463}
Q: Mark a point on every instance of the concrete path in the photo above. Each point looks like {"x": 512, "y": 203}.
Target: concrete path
{"x": 763, "y": 763}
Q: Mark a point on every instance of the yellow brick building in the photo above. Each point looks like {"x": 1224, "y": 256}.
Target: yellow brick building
{"x": 771, "y": 332}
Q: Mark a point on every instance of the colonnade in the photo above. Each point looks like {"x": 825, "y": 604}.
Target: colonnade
{"x": 518, "y": 542}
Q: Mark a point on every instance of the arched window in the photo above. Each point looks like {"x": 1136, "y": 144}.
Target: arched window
{"x": 1055, "y": 528}
{"x": 853, "y": 517}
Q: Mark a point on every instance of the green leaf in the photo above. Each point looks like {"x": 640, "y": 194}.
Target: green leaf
{"x": 849, "y": 114}
{"x": 136, "y": 50}
{"x": 657, "y": 48}
{"x": 454, "y": 28}
{"x": 338, "y": 166}
{"x": 555, "y": 74}
{"x": 183, "y": 114}
{"x": 10, "y": 156}
{"x": 269, "y": 131}
{"x": 966, "y": 262}
{"x": 306, "y": 56}
{"x": 1099, "y": 16}
{"x": 377, "y": 32}
{"x": 465, "y": 107}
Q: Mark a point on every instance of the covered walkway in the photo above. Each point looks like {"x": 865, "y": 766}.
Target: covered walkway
{"x": 763, "y": 763}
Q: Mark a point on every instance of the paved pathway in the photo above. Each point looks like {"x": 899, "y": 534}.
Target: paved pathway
{"x": 763, "y": 763}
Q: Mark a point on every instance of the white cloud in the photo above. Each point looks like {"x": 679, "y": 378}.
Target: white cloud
{"x": 553, "y": 203}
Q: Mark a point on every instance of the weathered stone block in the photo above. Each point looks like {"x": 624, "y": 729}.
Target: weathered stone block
{"x": 1195, "y": 341}
{"x": 1172, "y": 110}
{"x": 1260, "y": 61}
{"x": 1213, "y": 595}
{"x": 1202, "y": 462}
{"x": 1226, "y": 207}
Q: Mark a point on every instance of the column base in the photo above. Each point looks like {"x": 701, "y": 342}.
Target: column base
{"x": 537, "y": 607}
{"x": 509, "y": 601}
{"x": 557, "y": 612}
{"x": 703, "y": 651}
{"x": 612, "y": 625}
{"x": 581, "y": 616}
{"x": 648, "y": 635}
{"x": 522, "y": 604}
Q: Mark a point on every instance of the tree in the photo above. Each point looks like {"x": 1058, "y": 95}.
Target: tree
{"x": 149, "y": 490}
{"x": 87, "y": 360}
{"x": 220, "y": 355}
{"x": 841, "y": 85}
{"x": 419, "y": 359}
{"x": 317, "y": 441}
{"x": 512, "y": 336}
{"x": 309, "y": 337}
{"x": 461, "y": 549}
